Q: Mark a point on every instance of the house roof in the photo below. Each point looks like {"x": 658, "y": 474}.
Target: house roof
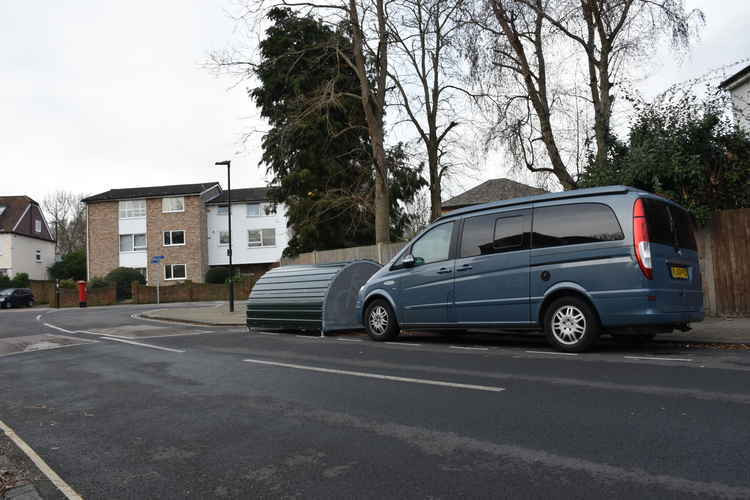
{"x": 735, "y": 78}
{"x": 242, "y": 195}
{"x": 150, "y": 192}
{"x": 15, "y": 206}
{"x": 492, "y": 190}
{"x": 14, "y": 217}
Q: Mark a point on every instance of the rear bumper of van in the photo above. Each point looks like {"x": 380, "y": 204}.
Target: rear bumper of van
{"x": 639, "y": 311}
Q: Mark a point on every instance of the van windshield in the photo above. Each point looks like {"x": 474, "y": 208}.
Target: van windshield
{"x": 669, "y": 225}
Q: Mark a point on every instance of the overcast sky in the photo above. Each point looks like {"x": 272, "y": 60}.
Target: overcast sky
{"x": 97, "y": 95}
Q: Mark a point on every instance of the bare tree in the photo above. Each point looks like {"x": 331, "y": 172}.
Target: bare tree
{"x": 67, "y": 215}
{"x": 424, "y": 33}
{"x": 535, "y": 47}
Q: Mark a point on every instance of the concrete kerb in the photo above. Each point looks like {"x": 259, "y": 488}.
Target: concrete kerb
{"x": 158, "y": 315}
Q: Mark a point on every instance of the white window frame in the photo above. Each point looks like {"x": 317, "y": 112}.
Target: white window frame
{"x": 261, "y": 209}
{"x": 220, "y": 234}
{"x": 184, "y": 238}
{"x": 37, "y": 225}
{"x": 132, "y": 243}
{"x": 222, "y": 210}
{"x": 38, "y": 256}
{"x": 260, "y": 231}
{"x": 123, "y": 208}
{"x": 165, "y": 201}
{"x": 171, "y": 269}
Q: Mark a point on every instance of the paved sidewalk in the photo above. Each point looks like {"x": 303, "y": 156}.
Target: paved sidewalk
{"x": 213, "y": 315}
{"x": 710, "y": 331}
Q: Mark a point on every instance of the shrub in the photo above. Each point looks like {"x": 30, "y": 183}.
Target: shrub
{"x": 4, "y": 282}
{"x": 71, "y": 267}
{"x": 217, "y": 275}
{"x": 98, "y": 282}
{"x": 20, "y": 280}
{"x": 123, "y": 278}
{"x": 67, "y": 284}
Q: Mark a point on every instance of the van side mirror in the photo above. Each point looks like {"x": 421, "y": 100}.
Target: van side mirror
{"x": 408, "y": 261}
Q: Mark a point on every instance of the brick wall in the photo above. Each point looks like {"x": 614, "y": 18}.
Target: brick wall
{"x": 192, "y": 292}
{"x": 103, "y": 238}
{"x": 96, "y": 297}
{"x": 193, "y": 254}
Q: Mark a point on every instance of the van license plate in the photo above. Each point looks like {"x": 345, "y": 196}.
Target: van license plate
{"x": 679, "y": 273}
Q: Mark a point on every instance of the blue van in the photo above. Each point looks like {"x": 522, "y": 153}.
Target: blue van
{"x": 574, "y": 264}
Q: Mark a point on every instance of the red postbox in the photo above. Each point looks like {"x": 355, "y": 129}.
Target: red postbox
{"x": 82, "y": 293}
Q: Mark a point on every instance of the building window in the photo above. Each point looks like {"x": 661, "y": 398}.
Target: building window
{"x": 223, "y": 237}
{"x": 38, "y": 226}
{"x": 256, "y": 209}
{"x": 173, "y": 204}
{"x": 38, "y": 256}
{"x": 261, "y": 238}
{"x": 175, "y": 272}
{"x": 131, "y": 209}
{"x": 222, "y": 210}
{"x": 132, "y": 242}
{"x": 174, "y": 238}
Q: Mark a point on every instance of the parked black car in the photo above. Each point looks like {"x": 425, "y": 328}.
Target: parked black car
{"x": 16, "y": 297}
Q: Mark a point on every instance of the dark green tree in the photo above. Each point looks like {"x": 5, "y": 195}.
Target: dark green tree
{"x": 685, "y": 148}
{"x": 71, "y": 267}
{"x": 317, "y": 148}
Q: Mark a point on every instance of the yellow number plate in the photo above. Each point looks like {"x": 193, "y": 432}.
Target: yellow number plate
{"x": 680, "y": 273}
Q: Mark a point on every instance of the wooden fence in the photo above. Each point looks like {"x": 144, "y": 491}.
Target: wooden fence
{"x": 380, "y": 253}
{"x": 723, "y": 245}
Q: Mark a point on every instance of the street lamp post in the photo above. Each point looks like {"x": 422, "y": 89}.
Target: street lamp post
{"x": 229, "y": 214}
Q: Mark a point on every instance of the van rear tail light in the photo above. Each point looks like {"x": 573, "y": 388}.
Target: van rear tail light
{"x": 641, "y": 240}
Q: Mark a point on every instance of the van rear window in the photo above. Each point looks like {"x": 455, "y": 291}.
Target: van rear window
{"x": 573, "y": 224}
{"x": 669, "y": 225}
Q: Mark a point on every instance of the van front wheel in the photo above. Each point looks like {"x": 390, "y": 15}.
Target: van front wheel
{"x": 571, "y": 325}
{"x": 380, "y": 321}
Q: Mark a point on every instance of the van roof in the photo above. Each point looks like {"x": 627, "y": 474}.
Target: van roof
{"x": 562, "y": 195}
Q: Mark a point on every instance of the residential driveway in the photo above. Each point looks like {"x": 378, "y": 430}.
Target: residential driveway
{"x": 142, "y": 409}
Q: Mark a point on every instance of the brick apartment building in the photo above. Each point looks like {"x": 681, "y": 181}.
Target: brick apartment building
{"x": 187, "y": 225}
{"x": 128, "y": 227}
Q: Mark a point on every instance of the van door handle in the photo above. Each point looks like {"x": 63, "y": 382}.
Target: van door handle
{"x": 444, "y": 270}
{"x": 465, "y": 267}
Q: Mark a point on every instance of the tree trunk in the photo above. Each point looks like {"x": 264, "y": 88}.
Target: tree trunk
{"x": 436, "y": 203}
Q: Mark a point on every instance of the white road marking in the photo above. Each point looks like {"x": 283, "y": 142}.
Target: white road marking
{"x": 351, "y": 340}
{"x": 58, "y": 328}
{"x": 61, "y": 485}
{"x": 38, "y": 317}
{"x": 308, "y": 337}
{"x": 402, "y": 343}
{"x": 470, "y": 348}
{"x": 267, "y": 333}
{"x": 657, "y": 359}
{"x": 487, "y": 388}
{"x": 102, "y": 334}
{"x": 552, "y": 352}
{"x": 143, "y": 345}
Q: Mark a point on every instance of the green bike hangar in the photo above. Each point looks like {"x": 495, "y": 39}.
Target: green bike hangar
{"x": 319, "y": 297}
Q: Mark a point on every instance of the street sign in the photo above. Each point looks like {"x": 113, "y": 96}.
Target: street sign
{"x": 159, "y": 257}
{"x": 156, "y": 259}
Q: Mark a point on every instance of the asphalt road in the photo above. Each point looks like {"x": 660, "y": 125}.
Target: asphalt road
{"x": 121, "y": 407}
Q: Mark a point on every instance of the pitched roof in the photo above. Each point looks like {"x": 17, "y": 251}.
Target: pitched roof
{"x": 735, "y": 78}
{"x": 14, "y": 210}
{"x": 151, "y": 192}
{"x": 492, "y": 190}
{"x": 15, "y": 206}
{"x": 242, "y": 195}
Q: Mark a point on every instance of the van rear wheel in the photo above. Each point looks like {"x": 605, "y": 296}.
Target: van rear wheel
{"x": 571, "y": 325}
{"x": 380, "y": 321}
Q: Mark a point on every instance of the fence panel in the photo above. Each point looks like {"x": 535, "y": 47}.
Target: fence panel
{"x": 379, "y": 253}
{"x": 731, "y": 261}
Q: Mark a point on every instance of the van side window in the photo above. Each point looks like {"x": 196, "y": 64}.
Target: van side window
{"x": 573, "y": 224}
{"x": 669, "y": 225}
{"x": 493, "y": 233}
{"x": 434, "y": 245}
